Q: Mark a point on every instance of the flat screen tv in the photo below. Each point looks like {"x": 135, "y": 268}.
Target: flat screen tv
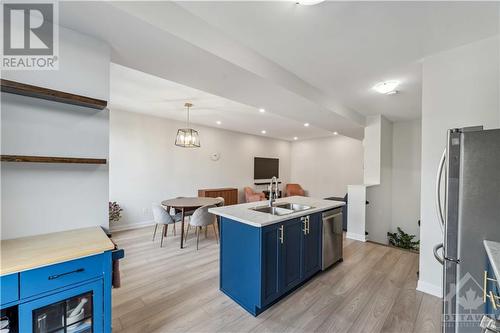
{"x": 265, "y": 168}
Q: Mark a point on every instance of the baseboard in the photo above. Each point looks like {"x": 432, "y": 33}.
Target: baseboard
{"x": 123, "y": 227}
{"x": 358, "y": 237}
{"x": 429, "y": 288}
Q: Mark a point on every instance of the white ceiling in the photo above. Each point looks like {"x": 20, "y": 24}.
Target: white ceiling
{"x": 313, "y": 64}
{"x": 135, "y": 91}
{"x": 344, "y": 48}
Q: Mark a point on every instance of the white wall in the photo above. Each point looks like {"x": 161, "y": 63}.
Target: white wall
{"x": 324, "y": 167}
{"x": 146, "y": 166}
{"x": 460, "y": 88}
{"x": 356, "y": 212}
{"x": 379, "y": 209}
{"x": 42, "y": 198}
{"x": 372, "y": 150}
{"x": 406, "y": 159}
{"x": 393, "y": 150}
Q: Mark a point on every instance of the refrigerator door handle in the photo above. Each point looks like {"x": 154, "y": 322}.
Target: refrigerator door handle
{"x": 436, "y": 255}
{"x": 438, "y": 190}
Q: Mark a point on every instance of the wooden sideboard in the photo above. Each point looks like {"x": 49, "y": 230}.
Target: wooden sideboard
{"x": 230, "y": 195}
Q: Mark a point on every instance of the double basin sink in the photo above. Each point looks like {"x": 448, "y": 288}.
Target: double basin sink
{"x": 283, "y": 208}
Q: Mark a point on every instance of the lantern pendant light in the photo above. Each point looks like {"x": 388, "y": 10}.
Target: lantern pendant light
{"x": 187, "y": 137}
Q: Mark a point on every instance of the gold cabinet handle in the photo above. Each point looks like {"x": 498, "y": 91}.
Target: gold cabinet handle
{"x": 493, "y": 298}
{"x": 281, "y": 234}
{"x": 485, "y": 285}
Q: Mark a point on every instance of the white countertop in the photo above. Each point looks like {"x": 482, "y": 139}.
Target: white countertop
{"x": 242, "y": 212}
{"x": 493, "y": 251}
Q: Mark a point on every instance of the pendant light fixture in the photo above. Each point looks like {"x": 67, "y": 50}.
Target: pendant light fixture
{"x": 187, "y": 137}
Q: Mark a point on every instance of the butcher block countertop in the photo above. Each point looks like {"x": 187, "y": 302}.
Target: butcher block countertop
{"x": 21, "y": 254}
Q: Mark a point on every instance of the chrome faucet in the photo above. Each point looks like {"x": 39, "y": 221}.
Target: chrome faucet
{"x": 273, "y": 194}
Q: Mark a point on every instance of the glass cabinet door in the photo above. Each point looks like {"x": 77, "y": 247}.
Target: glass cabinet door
{"x": 77, "y": 310}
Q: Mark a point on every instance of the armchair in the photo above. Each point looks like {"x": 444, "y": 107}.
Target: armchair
{"x": 294, "y": 189}
{"x": 252, "y": 196}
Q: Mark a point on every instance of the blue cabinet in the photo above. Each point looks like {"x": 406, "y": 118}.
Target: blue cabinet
{"x": 9, "y": 288}
{"x": 60, "y": 275}
{"x": 261, "y": 265}
{"x": 78, "y": 309}
{"x": 271, "y": 252}
{"x": 72, "y": 296}
{"x": 312, "y": 245}
{"x": 290, "y": 268}
{"x": 491, "y": 293}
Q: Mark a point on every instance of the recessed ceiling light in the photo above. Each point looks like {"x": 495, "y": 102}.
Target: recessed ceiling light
{"x": 309, "y": 2}
{"x": 263, "y": 131}
{"x": 306, "y": 124}
{"x": 335, "y": 133}
{"x": 295, "y": 138}
{"x": 262, "y": 110}
{"x": 218, "y": 122}
{"x": 386, "y": 87}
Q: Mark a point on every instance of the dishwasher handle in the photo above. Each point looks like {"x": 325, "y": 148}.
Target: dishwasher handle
{"x": 331, "y": 216}
{"x": 332, "y": 213}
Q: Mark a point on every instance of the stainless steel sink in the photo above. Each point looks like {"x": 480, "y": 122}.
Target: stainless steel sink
{"x": 283, "y": 208}
{"x": 293, "y": 206}
{"x": 273, "y": 210}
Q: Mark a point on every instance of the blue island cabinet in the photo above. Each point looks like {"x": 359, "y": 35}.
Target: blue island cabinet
{"x": 68, "y": 297}
{"x": 491, "y": 293}
{"x": 259, "y": 266}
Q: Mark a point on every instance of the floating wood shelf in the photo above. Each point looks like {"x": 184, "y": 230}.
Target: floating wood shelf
{"x": 51, "y": 159}
{"x": 18, "y": 88}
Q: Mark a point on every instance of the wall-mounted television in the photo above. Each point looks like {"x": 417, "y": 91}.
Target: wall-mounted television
{"x": 265, "y": 168}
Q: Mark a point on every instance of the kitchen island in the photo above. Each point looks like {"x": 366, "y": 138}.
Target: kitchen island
{"x": 265, "y": 252}
{"x": 57, "y": 282}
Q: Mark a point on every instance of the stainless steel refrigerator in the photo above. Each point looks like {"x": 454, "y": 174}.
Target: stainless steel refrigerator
{"x": 469, "y": 213}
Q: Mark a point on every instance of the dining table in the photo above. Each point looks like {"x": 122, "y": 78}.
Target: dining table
{"x": 188, "y": 204}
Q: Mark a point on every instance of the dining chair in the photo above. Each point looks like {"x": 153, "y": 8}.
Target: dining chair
{"x": 202, "y": 218}
{"x": 221, "y": 203}
{"x": 161, "y": 216}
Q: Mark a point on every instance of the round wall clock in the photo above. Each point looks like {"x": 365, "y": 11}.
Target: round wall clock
{"x": 215, "y": 156}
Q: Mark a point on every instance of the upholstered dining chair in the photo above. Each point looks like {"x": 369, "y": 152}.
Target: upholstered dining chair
{"x": 251, "y": 196}
{"x": 161, "y": 216}
{"x": 202, "y": 218}
{"x": 222, "y": 201}
{"x": 294, "y": 189}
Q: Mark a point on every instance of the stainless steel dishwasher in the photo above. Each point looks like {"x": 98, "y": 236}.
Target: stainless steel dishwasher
{"x": 332, "y": 237}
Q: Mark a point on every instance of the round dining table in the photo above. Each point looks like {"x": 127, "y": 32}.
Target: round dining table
{"x": 187, "y": 204}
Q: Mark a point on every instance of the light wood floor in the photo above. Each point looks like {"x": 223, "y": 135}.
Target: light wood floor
{"x": 172, "y": 290}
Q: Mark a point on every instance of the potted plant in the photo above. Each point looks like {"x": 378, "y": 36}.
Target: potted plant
{"x": 403, "y": 240}
{"x": 114, "y": 212}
